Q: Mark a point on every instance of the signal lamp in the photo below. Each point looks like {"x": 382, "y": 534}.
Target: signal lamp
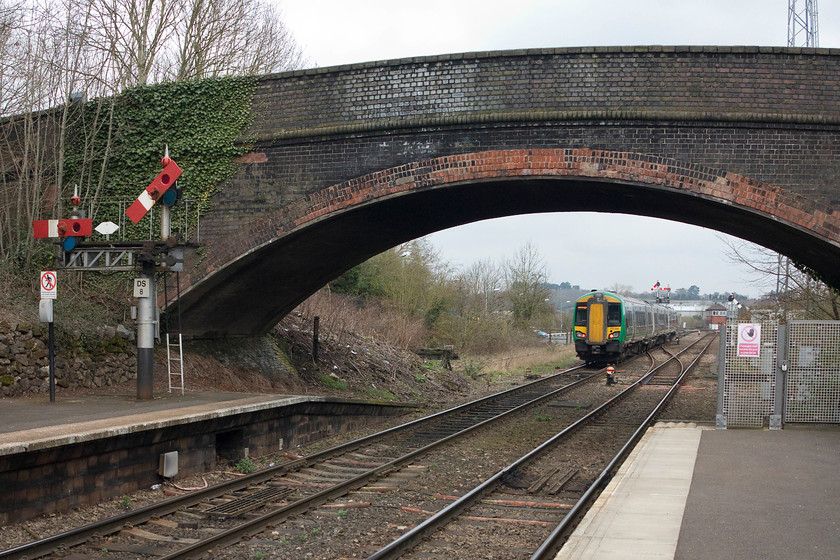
{"x": 171, "y": 196}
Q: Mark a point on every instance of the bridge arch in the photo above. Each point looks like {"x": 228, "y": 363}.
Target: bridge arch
{"x": 263, "y": 270}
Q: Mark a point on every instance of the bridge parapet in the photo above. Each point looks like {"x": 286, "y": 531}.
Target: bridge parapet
{"x": 746, "y": 84}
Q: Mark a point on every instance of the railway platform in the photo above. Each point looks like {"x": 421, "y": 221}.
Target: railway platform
{"x": 83, "y": 450}
{"x": 688, "y": 492}
{"x": 30, "y": 424}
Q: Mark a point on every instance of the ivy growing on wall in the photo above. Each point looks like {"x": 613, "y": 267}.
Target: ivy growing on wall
{"x": 114, "y": 149}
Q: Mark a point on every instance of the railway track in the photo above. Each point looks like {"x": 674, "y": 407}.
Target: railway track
{"x": 227, "y": 510}
{"x": 527, "y": 509}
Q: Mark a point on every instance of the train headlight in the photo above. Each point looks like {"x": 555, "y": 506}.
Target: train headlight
{"x": 580, "y": 334}
{"x": 614, "y": 335}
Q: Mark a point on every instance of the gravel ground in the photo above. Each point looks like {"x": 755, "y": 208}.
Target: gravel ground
{"x": 696, "y": 400}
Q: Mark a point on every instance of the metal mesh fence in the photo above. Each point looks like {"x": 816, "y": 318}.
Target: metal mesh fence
{"x": 185, "y": 221}
{"x": 749, "y": 380}
{"x": 813, "y": 380}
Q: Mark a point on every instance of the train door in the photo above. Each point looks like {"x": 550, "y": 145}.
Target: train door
{"x": 595, "y": 328}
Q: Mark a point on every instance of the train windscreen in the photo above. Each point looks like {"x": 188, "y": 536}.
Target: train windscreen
{"x": 614, "y": 315}
{"x": 580, "y": 315}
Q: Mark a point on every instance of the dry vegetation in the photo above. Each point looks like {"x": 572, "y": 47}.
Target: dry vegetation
{"x": 368, "y": 350}
{"x": 342, "y": 317}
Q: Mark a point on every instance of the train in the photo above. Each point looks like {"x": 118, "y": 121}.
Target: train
{"x": 609, "y": 327}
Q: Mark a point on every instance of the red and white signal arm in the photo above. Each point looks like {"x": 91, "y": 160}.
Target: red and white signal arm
{"x": 69, "y": 227}
{"x": 154, "y": 191}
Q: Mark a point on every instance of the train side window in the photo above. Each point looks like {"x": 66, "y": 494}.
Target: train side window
{"x": 580, "y": 316}
{"x": 614, "y": 315}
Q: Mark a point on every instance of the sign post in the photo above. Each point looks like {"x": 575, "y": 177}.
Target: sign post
{"x": 49, "y": 288}
{"x": 144, "y": 291}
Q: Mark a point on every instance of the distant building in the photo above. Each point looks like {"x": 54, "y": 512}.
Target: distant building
{"x": 715, "y": 316}
{"x": 687, "y": 308}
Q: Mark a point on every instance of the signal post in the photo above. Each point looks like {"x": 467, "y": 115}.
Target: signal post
{"x": 144, "y": 287}
{"x": 144, "y": 291}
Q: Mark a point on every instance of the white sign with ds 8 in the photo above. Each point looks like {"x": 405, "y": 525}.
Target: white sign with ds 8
{"x": 141, "y": 287}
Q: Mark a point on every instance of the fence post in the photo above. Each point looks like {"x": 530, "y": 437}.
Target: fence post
{"x": 782, "y": 366}
{"x": 316, "y": 333}
{"x": 720, "y": 418}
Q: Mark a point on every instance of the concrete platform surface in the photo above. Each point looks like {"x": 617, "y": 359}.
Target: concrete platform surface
{"x": 639, "y": 514}
{"x": 31, "y": 424}
{"x": 759, "y": 494}
{"x": 689, "y": 493}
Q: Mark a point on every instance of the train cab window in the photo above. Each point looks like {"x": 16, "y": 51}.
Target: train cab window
{"x": 580, "y": 316}
{"x": 614, "y": 315}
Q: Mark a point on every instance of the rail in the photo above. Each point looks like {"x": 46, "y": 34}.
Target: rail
{"x": 423, "y": 530}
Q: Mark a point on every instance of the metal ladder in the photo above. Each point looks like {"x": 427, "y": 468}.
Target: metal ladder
{"x": 175, "y": 364}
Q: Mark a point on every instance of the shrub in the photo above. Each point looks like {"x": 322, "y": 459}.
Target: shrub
{"x": 245, "y": 465}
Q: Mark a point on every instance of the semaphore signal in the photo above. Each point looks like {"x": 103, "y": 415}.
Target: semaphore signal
{"x": 159, "y": 185}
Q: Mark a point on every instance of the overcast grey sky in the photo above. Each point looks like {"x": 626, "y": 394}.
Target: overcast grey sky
{"x": 334, "y": 32}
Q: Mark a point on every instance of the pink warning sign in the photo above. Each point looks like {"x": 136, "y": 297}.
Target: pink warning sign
{"x": 749, "y": 340}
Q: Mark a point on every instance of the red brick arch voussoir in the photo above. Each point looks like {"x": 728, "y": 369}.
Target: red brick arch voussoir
{"x": 642, "y": 169}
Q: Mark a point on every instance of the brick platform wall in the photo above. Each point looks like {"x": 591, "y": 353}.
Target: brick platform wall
{"x": 68, "y": 476}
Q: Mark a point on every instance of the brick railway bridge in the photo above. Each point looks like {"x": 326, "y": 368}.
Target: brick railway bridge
{"x": 349, "y": 161}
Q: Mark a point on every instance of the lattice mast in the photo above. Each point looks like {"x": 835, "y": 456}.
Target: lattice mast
{"x": 803, "y": 29}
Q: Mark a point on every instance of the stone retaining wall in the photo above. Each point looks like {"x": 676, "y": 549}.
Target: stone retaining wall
{"x": 24, "y": 360}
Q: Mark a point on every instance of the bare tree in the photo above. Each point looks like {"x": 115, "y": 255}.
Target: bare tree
{"x": 133, "y": 34}
{"x": 26, "y": 160}
{"x": 481, "y": 285}
{"x": 45, "y": 57}
{"x": 270, "y": 47}
{"x": 793, "y": 291}
{"x": 525, "y": 278}
{"x": 621, "y": 289}
{"x": 219, "y": 37}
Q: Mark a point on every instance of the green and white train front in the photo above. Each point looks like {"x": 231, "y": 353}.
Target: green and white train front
{"x": 608, "y": 327}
